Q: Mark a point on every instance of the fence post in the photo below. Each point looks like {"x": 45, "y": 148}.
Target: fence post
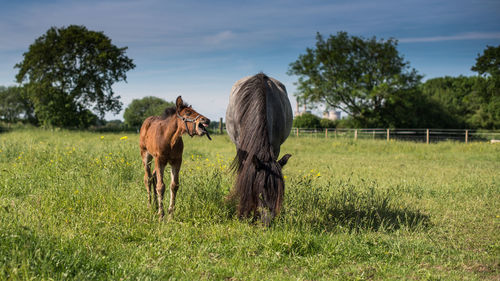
{"x": 220, "y": 126}
{"x": 297, "y": 132}
{"x": 356, "y": 134}
{"x": 427, "y": 137}
{"x": 388, "y": 134}
{"x": 466, "y": 136}
{"x": 335, "y": 132}
{"x": 373, "y": 134}
{"x": 326, "y": 133}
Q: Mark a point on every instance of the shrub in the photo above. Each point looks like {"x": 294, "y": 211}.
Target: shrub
{"x": 327, "y": 123}
{"x": 307, "y": 120}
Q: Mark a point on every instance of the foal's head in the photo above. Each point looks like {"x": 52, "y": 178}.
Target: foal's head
{"x": 195, "y": 123}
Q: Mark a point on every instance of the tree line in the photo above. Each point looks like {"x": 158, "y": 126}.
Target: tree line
{"x": 370, "y": 81}
{"x": 66, "y": 77}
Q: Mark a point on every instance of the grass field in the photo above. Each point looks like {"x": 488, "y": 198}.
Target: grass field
{"x": 73, "y": 207}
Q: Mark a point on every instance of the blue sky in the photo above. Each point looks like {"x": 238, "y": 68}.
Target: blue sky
{"x": 198, "y": 49}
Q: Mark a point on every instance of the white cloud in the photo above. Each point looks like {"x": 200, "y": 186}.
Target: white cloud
{"x": 219, "y": 38}
{"x": 463, "y": 36}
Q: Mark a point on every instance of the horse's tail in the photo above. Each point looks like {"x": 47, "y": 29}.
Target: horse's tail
{"x": 259, "y": 183}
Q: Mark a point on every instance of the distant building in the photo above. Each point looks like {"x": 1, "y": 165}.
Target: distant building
{"x": 297, "y": 110}
{"x": 332, "y": 115}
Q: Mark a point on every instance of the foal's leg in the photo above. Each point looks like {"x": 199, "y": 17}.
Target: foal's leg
{"x": 174, "y": 185}
{"x": 146, "y": 161}
{"x": 160, "y": 186}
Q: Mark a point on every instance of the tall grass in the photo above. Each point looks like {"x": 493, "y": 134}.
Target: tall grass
{"x": 73, "y": 206}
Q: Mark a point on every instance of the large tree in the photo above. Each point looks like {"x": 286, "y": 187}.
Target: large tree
{"x": 140, "y": 109}
{"x": 69, "y": 71}
{"x": 359, "y": 76}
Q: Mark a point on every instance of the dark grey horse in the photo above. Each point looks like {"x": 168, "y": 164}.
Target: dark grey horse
{"x": 258, "y": 120}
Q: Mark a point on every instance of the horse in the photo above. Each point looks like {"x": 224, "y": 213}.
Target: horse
{"x": 258, "y": 120}
{"x": 161, "y": 139}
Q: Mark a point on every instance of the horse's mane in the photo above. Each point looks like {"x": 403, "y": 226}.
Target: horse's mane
{"x": 170, "y": 111}
{"x": 258, "y": 173}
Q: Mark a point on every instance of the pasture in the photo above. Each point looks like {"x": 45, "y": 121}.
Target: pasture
{"x": 73, "y": 207}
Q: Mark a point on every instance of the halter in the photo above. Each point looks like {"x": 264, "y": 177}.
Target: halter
{"x": 185, "y": 119}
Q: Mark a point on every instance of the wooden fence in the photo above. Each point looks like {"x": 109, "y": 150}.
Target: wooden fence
{"x": 419, "y": 135}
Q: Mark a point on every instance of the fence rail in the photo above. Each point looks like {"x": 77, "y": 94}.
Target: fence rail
{"x": 418, "y": 135}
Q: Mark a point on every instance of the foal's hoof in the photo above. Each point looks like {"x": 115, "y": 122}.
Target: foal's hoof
{"x": 170, "y": 214}
{"x": 161, "y": 214}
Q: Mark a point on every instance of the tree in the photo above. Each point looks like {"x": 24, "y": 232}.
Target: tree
{"x": 70, "y": 71}
{"x": 14, "y": 105}
{"x": 488, "y": 89}
{"x": 457, "y": 97}
{"x": 140, "y": 109}
{"x": 307, "y": 120}
{"x": 466, "y": 102}
{"x": 356, "y": 75}
{"x": 412, "y": 109}
{"x": 489, "y": 62}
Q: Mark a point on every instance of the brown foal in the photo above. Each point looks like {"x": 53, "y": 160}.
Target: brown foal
{"x": 161, "y": 139}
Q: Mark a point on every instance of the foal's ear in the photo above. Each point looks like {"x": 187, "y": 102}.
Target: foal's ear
{"x": 179, "y": 102}
{"x": 284, "y": 159}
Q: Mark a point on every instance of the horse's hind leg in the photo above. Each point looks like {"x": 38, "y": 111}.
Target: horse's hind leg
{"x": 148, "y": 181}
{"x": 160, "y": 186}
{"x": 174, "y": 185}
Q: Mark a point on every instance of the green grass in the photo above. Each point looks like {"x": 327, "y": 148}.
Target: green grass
{"x": 73, "y": 207}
